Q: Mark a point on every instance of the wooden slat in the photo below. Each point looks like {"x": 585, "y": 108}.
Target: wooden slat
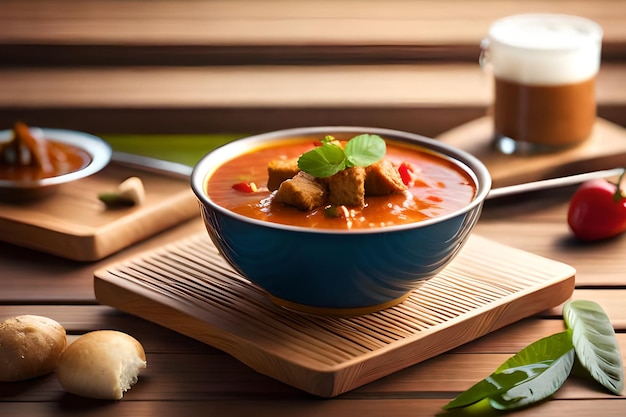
{"x": 248, "y": 21}
{"x": 597, "y": 264}
{"x": 277, "y": 29}
{"x": 62, "y": 281}
{"x": 538, "y": 223}
{"x": 427, "y": 99}
{"x": 306, "y": 408}
{"x": 273, "y": 87}
{"x": 178, "y": 366}
{"x": 198, "y": 376}
{"x": 513, "y": 338}
{"x": 242, "y": 99}
{"x": 79, "y": 319}
{"x": 396, "y": 86}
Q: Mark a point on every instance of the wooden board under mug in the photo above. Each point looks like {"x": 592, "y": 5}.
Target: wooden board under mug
{"x": 188, "y": 287}
{"x": 605, "y": 149}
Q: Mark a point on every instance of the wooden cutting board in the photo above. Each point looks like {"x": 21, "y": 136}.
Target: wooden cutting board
{"x": 605, "y": 149}
{"x": 187, "y": 286}
{"x": 74, "y": 224}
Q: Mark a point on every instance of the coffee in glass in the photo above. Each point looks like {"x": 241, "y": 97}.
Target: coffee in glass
{"x": 544, "y": 68}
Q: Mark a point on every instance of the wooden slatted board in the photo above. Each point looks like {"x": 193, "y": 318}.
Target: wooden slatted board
{"x": 73, "y": 223}
{"x": 187, "y": 286}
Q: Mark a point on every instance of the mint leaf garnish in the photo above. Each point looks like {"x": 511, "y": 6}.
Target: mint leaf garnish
{"x": 364, "y": 150}
{"x": 323, "y": 161}
{"x": 329, "y": 158}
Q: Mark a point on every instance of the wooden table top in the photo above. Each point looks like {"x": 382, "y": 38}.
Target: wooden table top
{"x": 246, "y": 66}
{"x": 187, "y": 377}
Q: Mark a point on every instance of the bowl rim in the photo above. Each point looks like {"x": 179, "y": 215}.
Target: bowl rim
{"x": 219, "y": 155}
{"x": 99, "y": 151}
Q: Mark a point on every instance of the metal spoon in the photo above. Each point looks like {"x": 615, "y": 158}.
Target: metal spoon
{"x": 169, "y": 168}
{"x": 553, "y": 183}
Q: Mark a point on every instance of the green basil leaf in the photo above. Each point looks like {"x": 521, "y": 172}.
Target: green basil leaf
{"x": 521, "y": 369}
{"x": 596, "y": 346}
{"x": 490, "y": 386}
{"x": 365, "y": 150}
{"x": 323, "y": 161}
{"x": 543, "y": 380}
{"x": 546, "y": 349}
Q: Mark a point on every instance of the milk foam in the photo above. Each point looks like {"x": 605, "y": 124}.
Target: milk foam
{"x": 544, "y": 49}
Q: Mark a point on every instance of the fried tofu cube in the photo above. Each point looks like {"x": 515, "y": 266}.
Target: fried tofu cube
{"x": 302, "y": 191}
{"x": 383, "y": 178}
{"x": 347, "y": 187}
{"x": 280, "y": 170}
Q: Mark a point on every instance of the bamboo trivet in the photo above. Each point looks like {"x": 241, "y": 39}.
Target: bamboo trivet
{"x": 187, "y": 286}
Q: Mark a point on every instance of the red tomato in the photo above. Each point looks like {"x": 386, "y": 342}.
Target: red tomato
{"x": 597, "y": 211}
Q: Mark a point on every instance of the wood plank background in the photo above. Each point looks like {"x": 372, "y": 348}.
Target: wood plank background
{"x": 248, "y": 66}
{"x": 407, "y": 25}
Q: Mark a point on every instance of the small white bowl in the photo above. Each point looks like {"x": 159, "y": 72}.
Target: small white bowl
{"x": 98, "y": 150}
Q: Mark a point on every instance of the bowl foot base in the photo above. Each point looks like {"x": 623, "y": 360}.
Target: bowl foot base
{"x": 331, "y": 311}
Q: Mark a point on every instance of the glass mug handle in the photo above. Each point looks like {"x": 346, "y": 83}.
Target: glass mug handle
{"x": 485, "y": 56}
{"x": 484, "y": 60}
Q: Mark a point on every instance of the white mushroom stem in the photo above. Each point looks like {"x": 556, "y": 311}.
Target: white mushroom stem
{"x": 132, "y": 189}
{"x": 130, "y": 193}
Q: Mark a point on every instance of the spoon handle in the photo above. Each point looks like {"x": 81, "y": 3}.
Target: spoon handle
{"x": 173, "y": 169}
{"x": 552, "y": 183}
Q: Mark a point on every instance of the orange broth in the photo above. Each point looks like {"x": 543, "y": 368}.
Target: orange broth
{"x": 64, "y": 159}
{"x": 442, "y": 188}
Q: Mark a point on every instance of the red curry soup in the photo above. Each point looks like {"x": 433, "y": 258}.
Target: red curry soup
{"x": 29, "y": 157}
{"x": 439, "y": 187}
{"x": 67, "y": 159}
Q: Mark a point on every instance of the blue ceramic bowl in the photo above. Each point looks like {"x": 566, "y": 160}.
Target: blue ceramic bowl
{"x": 362, "y": 270}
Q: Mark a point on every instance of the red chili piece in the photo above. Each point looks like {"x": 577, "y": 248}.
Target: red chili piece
{"x": 405, "y": 171}
{"x": 245, "y": 187}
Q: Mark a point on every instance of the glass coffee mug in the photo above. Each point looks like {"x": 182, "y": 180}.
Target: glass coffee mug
{"x": 544, "y": 68}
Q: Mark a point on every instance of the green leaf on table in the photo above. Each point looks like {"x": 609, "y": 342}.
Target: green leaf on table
{"x": 535, "y": 373}
{"x": 596, "y": 346}
{"x": 490, "y": 386}
{"x": 544, "y": 379}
